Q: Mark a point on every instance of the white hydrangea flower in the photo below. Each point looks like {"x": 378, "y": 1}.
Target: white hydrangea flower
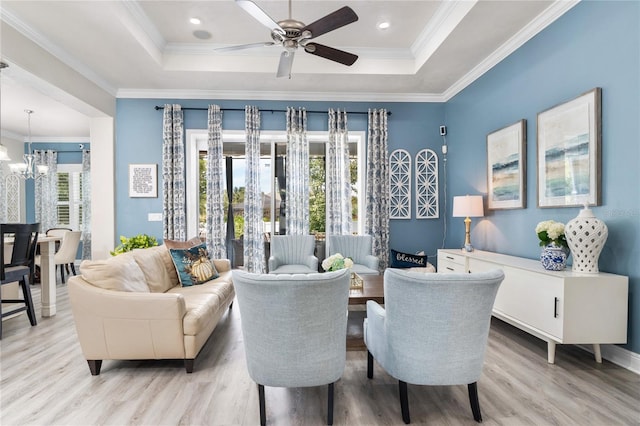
{"x": 348, "y": 263}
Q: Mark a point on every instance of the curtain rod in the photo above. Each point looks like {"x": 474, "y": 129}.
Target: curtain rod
{"x": 157, "y": 107}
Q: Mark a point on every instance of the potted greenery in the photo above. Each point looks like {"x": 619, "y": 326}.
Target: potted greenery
{"x": 138, "y": 241}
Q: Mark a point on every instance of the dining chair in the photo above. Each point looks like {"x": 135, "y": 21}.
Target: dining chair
{"x": 65, "y": 257}
{"x": 294, "y": 329}
{"x": 432, "y": 330}
{"x": 19, "y": 267}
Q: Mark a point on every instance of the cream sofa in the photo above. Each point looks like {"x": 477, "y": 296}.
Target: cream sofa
{"x": 132, "y": 307}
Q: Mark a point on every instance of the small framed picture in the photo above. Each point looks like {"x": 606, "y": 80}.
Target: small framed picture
{"x": 569, "y": 145}
{"x": 143, "y": 180}
{"x": 506, "y": 167}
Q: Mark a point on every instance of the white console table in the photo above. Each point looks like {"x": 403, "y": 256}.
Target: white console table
{"x": 559, "y": 307}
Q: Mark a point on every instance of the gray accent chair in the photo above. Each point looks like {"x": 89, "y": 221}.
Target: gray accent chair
{"x": 432, "y": 330}
{"x": 359, "y": 249}
{"x": 293, "y": 254}
{"x": 294, "y": 329}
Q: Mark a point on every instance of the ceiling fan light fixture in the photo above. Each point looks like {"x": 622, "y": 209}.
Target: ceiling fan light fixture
{"x": 291, "y": 34}
{"x": 195, "y": 21}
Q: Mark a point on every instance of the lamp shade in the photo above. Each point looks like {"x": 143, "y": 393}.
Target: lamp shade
{"x": 468, "y": 206}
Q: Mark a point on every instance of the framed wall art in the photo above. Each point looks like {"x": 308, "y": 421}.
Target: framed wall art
{"x": 427, "y": 203}
{"x": 143, "y": 180}
{"x": 569, "y": 146}
{"x": 400, "y": 184}
{"x": 506, "y": 167}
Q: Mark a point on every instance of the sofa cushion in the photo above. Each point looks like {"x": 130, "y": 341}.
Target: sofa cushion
{"x": 120, "y": 273}
{"x": 193, "y": 265}
{"x": 158, "y": 268}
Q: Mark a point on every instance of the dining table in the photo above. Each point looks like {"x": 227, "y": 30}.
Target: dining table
{"x": 47, "y": 272}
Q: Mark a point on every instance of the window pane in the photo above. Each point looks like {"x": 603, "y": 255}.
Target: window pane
{"x": 63, "y": 186}
{"x": 63, "y": 214}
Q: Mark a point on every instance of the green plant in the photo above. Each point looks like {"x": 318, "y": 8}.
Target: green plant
{"x": 138, "y": 241}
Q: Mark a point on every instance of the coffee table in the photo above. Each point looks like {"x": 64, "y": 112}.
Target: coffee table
{"x": 372, "y": 289}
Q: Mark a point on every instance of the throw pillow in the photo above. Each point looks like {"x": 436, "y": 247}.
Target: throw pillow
{"x": 407, "y": 260}
{"x": 175, "y": 244}
{"x": 120, "y": 273}
{"x": 157, "y": 267}
{"x": 193, "y": 265}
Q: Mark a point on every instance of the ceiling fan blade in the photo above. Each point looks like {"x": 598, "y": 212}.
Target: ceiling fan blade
{"x": 259, "y": 15}
{"x": 245, "y": 46}
{"x": 332, "y": 21}
{"x": 330, "y": 53}
{"x": 286, "y": 62}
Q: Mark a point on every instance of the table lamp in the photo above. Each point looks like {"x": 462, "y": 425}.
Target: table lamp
{"x": 467, "y": 206}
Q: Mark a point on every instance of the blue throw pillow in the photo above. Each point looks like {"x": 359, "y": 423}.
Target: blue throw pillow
{"x": 407, "y": 260}
{"x": 193, "y": 265}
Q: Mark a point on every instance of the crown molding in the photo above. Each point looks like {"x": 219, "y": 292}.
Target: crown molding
{"x": 542, "y": 21}
{"x": 278, "y": 96}
{"x": 142, "y": 29}
{"x": 446, "y": 18}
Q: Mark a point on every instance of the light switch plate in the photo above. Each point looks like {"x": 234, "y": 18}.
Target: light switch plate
{"x": 155, "y": 217}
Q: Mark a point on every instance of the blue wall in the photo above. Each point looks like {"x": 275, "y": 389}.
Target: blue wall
{"x": 412, "y": 126}
{"x": 596, "y": 44}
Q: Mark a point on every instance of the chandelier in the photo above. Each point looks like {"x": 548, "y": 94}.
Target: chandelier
{"x": 28, "y": 168}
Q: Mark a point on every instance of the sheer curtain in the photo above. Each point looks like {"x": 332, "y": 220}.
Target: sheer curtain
{"x": 46, "y": 190}
{"x": 253, "y": 235}
{"x": 173, "y": 175}
{"x": 86, "y": 204}
{"x": 216, "y": 232}
{"x": 338, "y": 182}
{"x": 297, "y": 206}
{"x": 377, "y": 222}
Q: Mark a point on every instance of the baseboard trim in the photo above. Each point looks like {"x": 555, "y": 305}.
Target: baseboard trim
{"x": 619, "y": 356}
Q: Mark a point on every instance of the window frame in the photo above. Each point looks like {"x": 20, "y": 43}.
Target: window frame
{"x": 74, "y": 212}
{"x": 196, "y": 141}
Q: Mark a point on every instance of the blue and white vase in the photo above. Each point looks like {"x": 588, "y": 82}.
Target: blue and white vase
{"x": 553, "y": 258}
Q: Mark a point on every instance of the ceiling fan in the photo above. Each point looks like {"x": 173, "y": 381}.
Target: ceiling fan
{"x": 291, "y": 34}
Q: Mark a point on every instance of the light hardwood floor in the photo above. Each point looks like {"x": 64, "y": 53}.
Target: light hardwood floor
{"x": 45, "y": 381}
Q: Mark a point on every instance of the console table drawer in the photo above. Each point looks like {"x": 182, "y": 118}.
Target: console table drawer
{"x": 449, "y": 262}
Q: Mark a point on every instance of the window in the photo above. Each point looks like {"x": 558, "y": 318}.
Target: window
{"x": 273, "y": 153}
{"x": 70, "y": 196}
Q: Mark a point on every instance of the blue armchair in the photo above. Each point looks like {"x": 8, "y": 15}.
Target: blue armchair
{"x": 433, "y": 330}
{"x": 293, "y": 254}
{"x": 294, "y": 329}
{"x": 359, "y": 249}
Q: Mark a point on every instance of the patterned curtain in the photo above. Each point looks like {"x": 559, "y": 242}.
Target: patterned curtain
{"x": 173, "y": 175}
{"x": 46, "y": 190}
{"x": 3, "y": 191}
{"x": 253, "y": 234}
{"x": 86, "y": 204}
{"x": 377, "y": 222}
{"x": 297, "y": 207}
{"x": 338, "y": 180}
{"x": 216, "y": 231}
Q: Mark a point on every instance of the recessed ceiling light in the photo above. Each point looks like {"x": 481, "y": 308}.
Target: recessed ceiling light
{"x": 384, "y": 25}
{"x": 195, "y": 21}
